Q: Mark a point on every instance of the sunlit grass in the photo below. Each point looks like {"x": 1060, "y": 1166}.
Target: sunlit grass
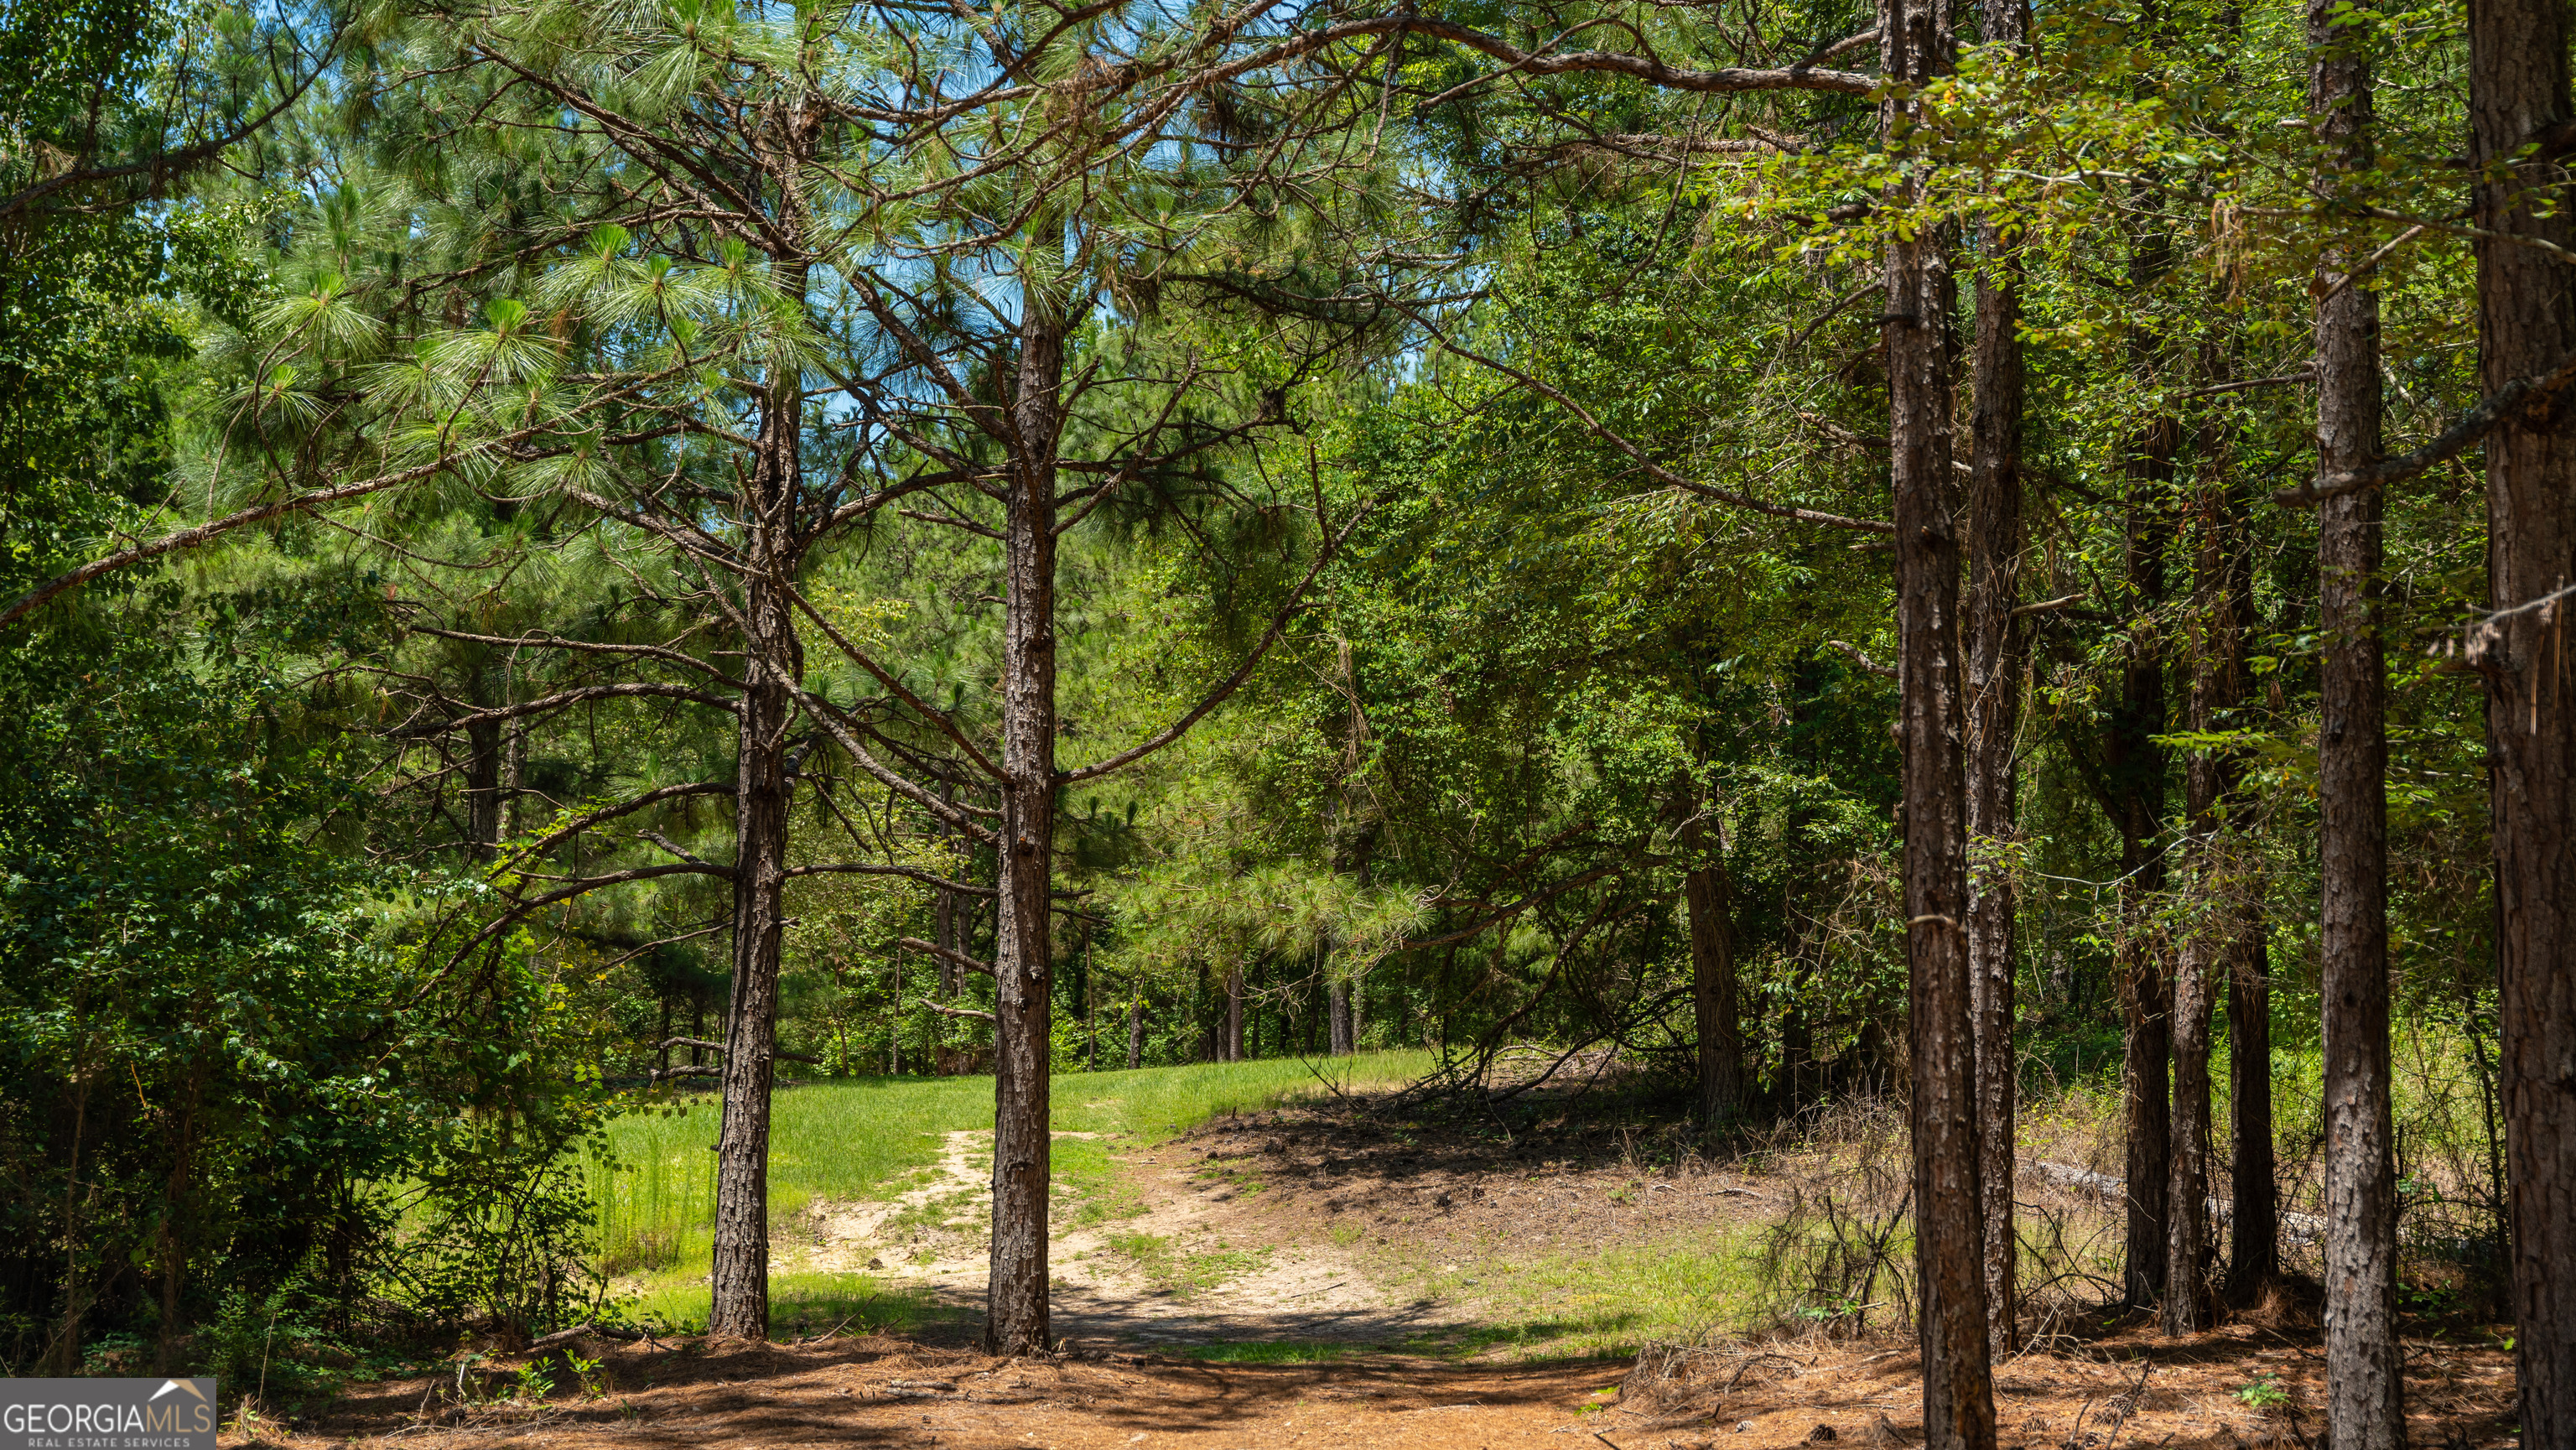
{"x": 800, "y": 1304}
{"x": 868, "y": 1138}
{"x": 1186, "y": 1270}
{"x": 1271, "y": 1351}
{"x": 1693, "y": 1285}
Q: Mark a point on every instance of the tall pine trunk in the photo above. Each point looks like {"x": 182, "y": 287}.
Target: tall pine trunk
{"x": 1994, "y": 655}
{"x": 2254, "y": 1197}
{"x": 2518, "y": 91}
{"x": 2363, "y": 1384}
{"x": 2222, "y": 602}
{"x": 738, "y": 1280}
{"x": 2186, "y": 1306}
{"x": 1016, "y": 1316}
{"x": 2135, "y": 765}
{"x": 1958, "y": 1391}
{"x": 1347, "y": 826}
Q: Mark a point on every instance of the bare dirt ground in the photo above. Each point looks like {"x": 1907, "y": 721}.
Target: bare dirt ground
{"x": 2129, "y": 1390}
{"x": 1293, "y": 1227}
{"x": 1403, "y": 1185}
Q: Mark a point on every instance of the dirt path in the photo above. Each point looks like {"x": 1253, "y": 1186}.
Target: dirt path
{"x": 1192, "y": 1268}
{"x": 2132, "y": 1389}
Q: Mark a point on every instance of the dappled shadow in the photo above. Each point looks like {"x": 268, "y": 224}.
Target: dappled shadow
{"x": 878, "y": 1391}
{"x": 1091, "y": 1316}
{"x": 2128, "y": 1387}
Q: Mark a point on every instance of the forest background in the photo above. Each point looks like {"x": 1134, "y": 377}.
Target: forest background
{"x": 559, "y": 549}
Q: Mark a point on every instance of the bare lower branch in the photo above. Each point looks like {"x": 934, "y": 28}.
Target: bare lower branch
{"x": 190, "y": 538}
{"x": 937, "y": 718}
{"x": 1242, "y": 672}
{"x": 2492, "y": 412}
{"x": 962, "y": 888}
{"x": 658, "y": 839}
{"x": 1506, "y": 913}
{"x": 830, "y": 717}
{"x": 1851, "y": 439}
{"x": 550, "y": 641}
{"x": 2047, "y": 606}
{"x": 1801, "y": 77}
{"x": 610, "y": 813}
{"x": 1862, "y": 660}
{"x": 915, "y": 943}
{"x": 1653, "y": 469}
{"x": 671, "y": 1042}
{"x": 569, "y": 697}
{"x": 2247, "y": 385}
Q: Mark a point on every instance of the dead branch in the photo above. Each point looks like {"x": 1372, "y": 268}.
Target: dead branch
{"x": 2492, "y": 412}
{"x": 944, "y": 954}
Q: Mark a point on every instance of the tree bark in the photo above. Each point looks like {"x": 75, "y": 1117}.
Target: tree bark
{"x": 514, "y": 773}
{"x": 2518, "y": 90}
{"x": 1958, "y": 1393}
{"x": 1087, "y": 991}
{"x": 1994, "y": 655}
{"x": 482, "y": 787}
{"x": 2186, "y": 1307}
{"x": 1233, "y": 1044}
{"x": 2254, "y": 1207}
{"x": 62, "y": 1355}
{"x": 2363, "y": 1384}
{"x": 2135, "y": 765}
{"x": 943, "y": 931}
{"x": 2222, "y": 585}
{"x": 1211, "y": 1019}
{"x": 943, "y": 922}
{"x": 175, "y": 1215}
{"x": 1714, "y": 1008}
{"x": 738, "y": 1280}
{"x": 773, "y": 661}
{"x": 1016, "y": 1318}
{"x": 1352, "y": 840}
{"x": 1136, "y": 1033}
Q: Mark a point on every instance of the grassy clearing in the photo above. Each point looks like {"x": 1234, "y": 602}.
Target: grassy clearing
{"x": 1184, "y": 1270}
{"x": 1601, "y": 1303}
{"x": 873, "y": 1138}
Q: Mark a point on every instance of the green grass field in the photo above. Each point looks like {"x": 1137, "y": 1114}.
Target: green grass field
{"x": 863, "y": 1138}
